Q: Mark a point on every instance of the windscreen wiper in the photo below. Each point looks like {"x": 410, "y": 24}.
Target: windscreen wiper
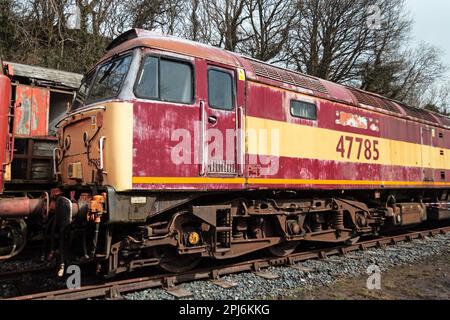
{"x": 108, "y": 72}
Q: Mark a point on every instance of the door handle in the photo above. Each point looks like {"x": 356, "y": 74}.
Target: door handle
{"x": 212, "y": 119}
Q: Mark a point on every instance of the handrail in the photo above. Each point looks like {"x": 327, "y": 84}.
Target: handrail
{"x": 55, "y": 172}
{"x": 203, "y": 139}
{"x": 11, "y": 135}
{"x": 241, "y": 146}
{"x": 101, "y": 145}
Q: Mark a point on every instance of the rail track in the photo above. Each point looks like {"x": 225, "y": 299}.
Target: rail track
{"x": 113, "y": 289}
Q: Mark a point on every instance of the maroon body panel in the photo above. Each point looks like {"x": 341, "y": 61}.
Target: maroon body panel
{"x": 265, "y": 92}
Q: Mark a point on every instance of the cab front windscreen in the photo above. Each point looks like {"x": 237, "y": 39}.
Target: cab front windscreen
{"x": 103, "y": 84}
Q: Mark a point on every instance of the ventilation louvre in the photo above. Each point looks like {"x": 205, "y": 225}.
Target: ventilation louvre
{"x": 299, "y": 80}
{"x": 419, "y": 113}
{"x": 374, "y": 101}
{"x": 288, "y": 77}
{"x": 445, "y": 120}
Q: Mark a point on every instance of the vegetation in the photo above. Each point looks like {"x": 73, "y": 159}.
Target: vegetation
{"x": 331, "y": 39}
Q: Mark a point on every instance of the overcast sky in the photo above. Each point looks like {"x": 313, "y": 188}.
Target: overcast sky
{"x": 432, "y": 23}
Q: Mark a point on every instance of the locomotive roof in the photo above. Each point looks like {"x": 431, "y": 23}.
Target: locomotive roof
{"x": 267, "y": 73}
{"x": 143, "y": 38}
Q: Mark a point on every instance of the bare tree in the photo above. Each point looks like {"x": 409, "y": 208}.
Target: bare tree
{"x": 227, "y": 17}
{"x": 420, "y": 69}
{"x": 394, "y": 69}
{"x": 437, "y": 98}
{"x": 161, "y": 15}
{"x": 6, "y": 26}
{"x": 197, "y": 23}
{"x": 330, "y": 38}
{"x": 270, "y": 24}
{"x": 193, "y": 17}
{"x": 383, "y": 61}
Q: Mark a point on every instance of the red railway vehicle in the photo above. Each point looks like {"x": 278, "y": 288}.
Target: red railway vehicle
{"x": 32, "y": 100}
{"x": 5, "y": 100}
{"x": 175, "y": 151}
{"x": 40, "y": 97}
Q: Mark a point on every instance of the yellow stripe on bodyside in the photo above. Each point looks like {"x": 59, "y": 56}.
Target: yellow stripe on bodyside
{"x": 343, "y": 182}
{"x": 275, "y": 138}
{"x": 209, "y": 180}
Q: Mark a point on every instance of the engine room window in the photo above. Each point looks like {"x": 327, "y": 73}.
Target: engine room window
{"x": 220, "y": 90}
{"x": 109, "y": 79}
{"x": 304, "y": 110}
{"x": 166, "y": 80}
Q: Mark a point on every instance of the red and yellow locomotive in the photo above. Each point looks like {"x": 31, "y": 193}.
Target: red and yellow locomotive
{"x": 174, "y": 150}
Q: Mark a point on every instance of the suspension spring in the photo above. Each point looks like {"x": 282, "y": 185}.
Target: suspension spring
{"x": 338, "y": 220}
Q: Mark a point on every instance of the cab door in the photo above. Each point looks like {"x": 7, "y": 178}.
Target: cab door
{"x": 222, "y": 122}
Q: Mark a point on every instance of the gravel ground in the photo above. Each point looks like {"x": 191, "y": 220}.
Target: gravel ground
{"x": 15, "y": 287}
{"x": 14, "y": 265}
{"x": 428, "y": 279}
{"x": 324, "y": 273}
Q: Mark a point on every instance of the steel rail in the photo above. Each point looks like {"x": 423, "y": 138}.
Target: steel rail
{"x": 115, "y": 288}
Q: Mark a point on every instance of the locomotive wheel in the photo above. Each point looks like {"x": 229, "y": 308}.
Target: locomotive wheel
{"x": 173, "y": 262}
{"x": 13, "y": 238}
{"x": 283, "y": 249}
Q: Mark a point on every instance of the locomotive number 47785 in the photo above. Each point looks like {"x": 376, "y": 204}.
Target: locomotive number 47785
{"x": 349, "y": 146}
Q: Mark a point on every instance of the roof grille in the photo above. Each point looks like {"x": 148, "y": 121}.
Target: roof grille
{"x": 445, "y": 120}
{"x": 288, "y": 77}
{"x": 374, "y": 101}
{"x": 419, "y": 113}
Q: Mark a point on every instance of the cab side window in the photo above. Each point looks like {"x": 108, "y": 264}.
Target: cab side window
{"x": 166, "y": 80}
{"x": 148, "y": 79}
{"x": 303, "y": 110}
{"x": 176, "y": 81}
{"x": 220, "y": 89}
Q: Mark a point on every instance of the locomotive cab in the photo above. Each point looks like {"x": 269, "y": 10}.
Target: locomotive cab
{"x": 134, "y": 129}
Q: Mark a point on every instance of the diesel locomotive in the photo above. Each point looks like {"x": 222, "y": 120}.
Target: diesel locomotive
{"x": 175, "y": 151}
